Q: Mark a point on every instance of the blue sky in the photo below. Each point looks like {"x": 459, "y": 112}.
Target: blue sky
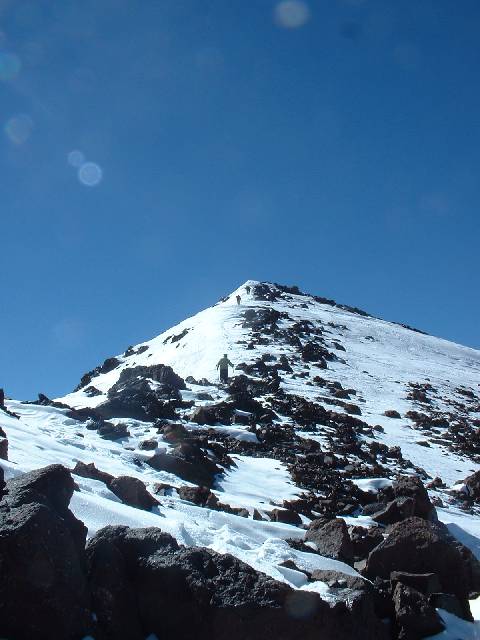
{"x": 333, "y": 145}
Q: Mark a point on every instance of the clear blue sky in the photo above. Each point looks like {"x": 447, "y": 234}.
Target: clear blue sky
{"x": 330, "y": 144}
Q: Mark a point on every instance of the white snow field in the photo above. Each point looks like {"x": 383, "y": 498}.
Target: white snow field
{"x": 380, "y": 361}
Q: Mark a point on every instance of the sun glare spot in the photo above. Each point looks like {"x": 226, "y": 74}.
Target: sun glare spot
{"x": 76, "y": 158}
{"x": 18, "y": 128}
{"x": 291, "y": 14}
{"x": 90, "y": 174}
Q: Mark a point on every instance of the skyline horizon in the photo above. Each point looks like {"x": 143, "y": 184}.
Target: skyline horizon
{"x": 152, "y": 154}
{"x": 249, "y": 281}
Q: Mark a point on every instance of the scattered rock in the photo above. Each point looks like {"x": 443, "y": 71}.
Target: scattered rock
{"x": 419, "y": 546}
{"x": 91, "y": 471}
{"x": 414, "y": 616}
{"x": 392, "y": 413}
{"x": 287, "y": 516}
{"x": 201, "y": 496}
{"x": 133, "y": 492}
{"x": 331, "y": 539}
{"x": 148, "y": 445}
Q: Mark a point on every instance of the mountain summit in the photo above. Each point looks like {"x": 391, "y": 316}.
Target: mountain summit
{"x": 338, "y": 463}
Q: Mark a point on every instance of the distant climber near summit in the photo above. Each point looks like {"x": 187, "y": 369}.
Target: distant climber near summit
{"x": 223, "y": 365}
{"x": 239, "y": 299}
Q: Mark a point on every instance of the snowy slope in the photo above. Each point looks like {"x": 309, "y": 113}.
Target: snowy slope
{"x": 382, "y": 358}
{"x": 377, "y": 361}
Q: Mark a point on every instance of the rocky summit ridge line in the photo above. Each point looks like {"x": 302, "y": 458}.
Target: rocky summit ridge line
{"x": 329, "y": 489}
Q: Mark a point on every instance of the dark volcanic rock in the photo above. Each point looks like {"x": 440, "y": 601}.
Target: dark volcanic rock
{"x": 110, "y": 431}
{"x": 174, "y": 433}
{"x": 109, "y": 365}
{"x": 148, "y": 445}
{"x": 364, "y": 540}
{"x": 313, "y": 352}
{"x": 392, "y": 413}
{"x": 133, "y": 395}
{"x": 3, "y": 445}
{"x": 91, "y": 471}
{"x": 220, "y": 413}
{"x": 43, "y": 590}
{"x": 472, "y": 485}
{"x": 414, "y": 616}
{"x": 160, "y": 373}
{"x": 418, "y": 546}
{"x": 426, "y": 583}
{"x": 137, "y": 401}
{"x": 287, "y": 516}
{"x": 193, "y": 466}
{"x": 197, "y": 594}
{"x": 397, "y": 510}
{"x": 331, "y": 539}
{"x": 202, "y": 496}
{"x": 133, "y": 492}
{"x": 412, "y": 487}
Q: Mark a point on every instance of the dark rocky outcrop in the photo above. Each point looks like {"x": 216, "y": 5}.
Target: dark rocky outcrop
{"x": 109, "y": 365}
{"x": 419, "y": 546}
{"x": 392, "y": 413}
{"x": 408, "y": 497}
{"x": 144, "y": 393}
{"x": 331, "y": 539}
{"x": 287, "y": 516}
{"x": 192, "y": 594}
{"x": 43, "y": 587}
{"x": 90, "y": 471}
{"x": 110, "y": 431}
{"x": 201, "y": 496}
{"x": 414, "y": 616}
{"x": 160, "y": 373}
{"x": 472, "y": 486}
{"x": 188, "y": 462}
{"x": 138, "y": 401}
{"x": 3, "y": 445}
{"x": 148, "y": 445}
{"x": 412, "y": 487}
{"x": 131, "y": 491}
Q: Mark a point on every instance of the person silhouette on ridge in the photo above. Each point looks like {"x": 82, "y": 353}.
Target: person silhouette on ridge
{"x": 239, "y": 299}
{"x": 223, "y": 365}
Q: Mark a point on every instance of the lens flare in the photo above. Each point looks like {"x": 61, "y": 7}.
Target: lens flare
{"x": 90, "y": 174}
{"x": 76, "y": 158}
{"x": 291, "y": 14}
{"x": 18, "y": 128}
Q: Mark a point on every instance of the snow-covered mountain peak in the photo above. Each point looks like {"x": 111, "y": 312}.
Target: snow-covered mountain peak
{"x": 382, "y": 362}
{"x": 323, "y": 434}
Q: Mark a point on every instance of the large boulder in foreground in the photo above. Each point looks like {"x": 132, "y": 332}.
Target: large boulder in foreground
{"x": 43, "y": 587}
{"x": 197, "y": 594}
{"x": 418, "y": 546}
